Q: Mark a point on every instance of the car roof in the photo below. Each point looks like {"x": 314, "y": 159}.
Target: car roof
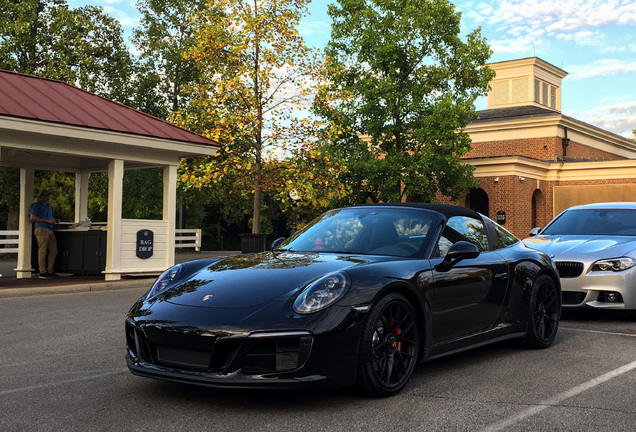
{"x": 605, "y": 205}
{"x": 445, "y": 209}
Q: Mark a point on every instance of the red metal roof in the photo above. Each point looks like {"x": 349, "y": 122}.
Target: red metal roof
{"x": 42, "y": 99}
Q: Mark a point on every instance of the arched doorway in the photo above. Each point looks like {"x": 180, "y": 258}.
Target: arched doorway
{"x": 538, "y": 209}
{"x": 477, "y": 199}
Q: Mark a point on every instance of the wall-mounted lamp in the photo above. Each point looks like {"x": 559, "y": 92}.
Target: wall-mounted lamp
{"x": 496, "y": 179}
{"x": 522, "y": 178}
{"x": 565, "y": 142}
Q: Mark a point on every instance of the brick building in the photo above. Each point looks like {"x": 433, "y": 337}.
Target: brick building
{"x": 531, "y": 161}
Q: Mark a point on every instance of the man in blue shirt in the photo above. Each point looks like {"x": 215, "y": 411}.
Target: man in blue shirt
{"x": 43, "y": 219}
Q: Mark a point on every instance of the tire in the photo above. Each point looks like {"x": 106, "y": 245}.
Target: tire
{"x": 544, "y": 312}
{"x": 388, "y": 347}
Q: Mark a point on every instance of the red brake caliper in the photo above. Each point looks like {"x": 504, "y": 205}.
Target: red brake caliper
{"x": 398, "y": 345}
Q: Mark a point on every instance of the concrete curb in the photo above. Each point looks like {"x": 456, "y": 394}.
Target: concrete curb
{"x": 76, "y": 288}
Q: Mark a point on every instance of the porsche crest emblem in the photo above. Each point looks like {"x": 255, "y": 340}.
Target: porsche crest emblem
{"x": 207, "y": 297}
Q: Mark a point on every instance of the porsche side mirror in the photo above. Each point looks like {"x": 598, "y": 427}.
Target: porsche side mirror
{"x": 459, "y": 251}
{"x": 277, "y": 242}
{"x": 535, "y": 231}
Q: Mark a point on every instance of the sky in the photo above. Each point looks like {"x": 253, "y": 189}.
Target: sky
{"x": 594, "y": 41}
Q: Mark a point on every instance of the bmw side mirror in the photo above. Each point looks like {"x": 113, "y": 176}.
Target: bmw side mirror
{"x": 535, "y": 231}
{"x": 459, "y": 251}
{"x": 277, "y": 242}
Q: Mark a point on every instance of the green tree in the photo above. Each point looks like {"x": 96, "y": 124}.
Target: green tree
{"x": 62, "y": 188}
{"x": 165, "y": 35}
{"x": 83, "y": 47}
{"x": 254, "y": 92}
{"x": 61, "y": 185}
{"x": 410, "y": 84}
{"x": 142, "y": 195}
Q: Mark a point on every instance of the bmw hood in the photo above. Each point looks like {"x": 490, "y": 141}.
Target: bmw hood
{"x": 249, "y": 280}
{"x": 595, "y": 247}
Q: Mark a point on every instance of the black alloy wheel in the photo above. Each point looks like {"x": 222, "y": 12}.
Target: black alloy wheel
{"x": 545, "y": 312}
{"x": 388, "y": 347}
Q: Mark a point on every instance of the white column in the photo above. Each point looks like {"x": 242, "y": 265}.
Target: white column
{"x": 114, "y": 229}
{"x": 27, "y": 180}
{"x": 81, "y": 196}
{"x": 170, "y": 209}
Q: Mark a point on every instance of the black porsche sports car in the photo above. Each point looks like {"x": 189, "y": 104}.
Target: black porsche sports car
{"x": 358, "y": 297}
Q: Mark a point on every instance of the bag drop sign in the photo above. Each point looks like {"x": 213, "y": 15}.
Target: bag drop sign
{"x": 145, "y": 243}
{"x": 501, "y": 217}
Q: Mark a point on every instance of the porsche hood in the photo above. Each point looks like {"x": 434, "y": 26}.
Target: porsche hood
{"x": 249, "y": 280}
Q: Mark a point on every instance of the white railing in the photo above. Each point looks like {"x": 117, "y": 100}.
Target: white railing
{"x": 185, "y": 238}
{"x": 10, "y": 245}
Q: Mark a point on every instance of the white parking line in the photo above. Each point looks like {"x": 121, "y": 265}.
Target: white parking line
{"x": 596, "y": 331}
{"x": 56, "y": 383}
{"x": 560, "y": 398}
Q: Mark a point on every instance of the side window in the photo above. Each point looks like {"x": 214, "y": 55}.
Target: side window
{"x": 462, "y": 228}
{"x": 505, "y": 237}
{"x": 502, "y": 237}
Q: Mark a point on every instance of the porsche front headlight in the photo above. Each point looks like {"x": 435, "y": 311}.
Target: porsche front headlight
{"x": 614, "y": 264}
{"x": 322, "y": 293}
{"x": 164, "y": 281}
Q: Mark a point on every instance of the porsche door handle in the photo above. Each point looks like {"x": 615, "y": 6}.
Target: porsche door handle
{"x": 501, "y": 276}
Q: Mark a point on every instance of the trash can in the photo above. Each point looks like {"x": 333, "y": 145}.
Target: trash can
{"x": 252, "y": 243}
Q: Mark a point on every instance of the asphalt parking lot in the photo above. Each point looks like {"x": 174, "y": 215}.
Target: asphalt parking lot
{"x": 62, "y": 368}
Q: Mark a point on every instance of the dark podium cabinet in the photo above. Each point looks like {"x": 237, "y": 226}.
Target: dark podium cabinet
{"x": 70, "y": 252}
{"x": 79, "y": 252}
{"x": 94, "y": 252}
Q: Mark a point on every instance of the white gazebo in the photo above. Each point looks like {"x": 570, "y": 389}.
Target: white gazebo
{"x": 50, "y": 125}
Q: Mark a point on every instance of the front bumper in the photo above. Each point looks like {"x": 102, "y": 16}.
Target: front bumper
{"x": 234, "y": 380}
{"x": 276, "y": 359}
{"x": 600, "y": 290}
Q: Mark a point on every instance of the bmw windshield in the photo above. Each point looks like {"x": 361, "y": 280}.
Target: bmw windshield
{"x": 606, "y": 222}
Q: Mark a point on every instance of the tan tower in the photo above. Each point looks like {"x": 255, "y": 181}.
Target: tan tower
{"x": 529, "y": 81}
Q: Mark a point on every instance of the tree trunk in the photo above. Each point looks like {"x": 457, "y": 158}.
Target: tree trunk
{"x": 258, "y": 149}
{"x": 13, "y": 219}
{"x": 256, "y": 214}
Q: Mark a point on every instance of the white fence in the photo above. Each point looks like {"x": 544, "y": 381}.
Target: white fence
{"x": 184, "y": 238}
{"x": 9, "y": 241}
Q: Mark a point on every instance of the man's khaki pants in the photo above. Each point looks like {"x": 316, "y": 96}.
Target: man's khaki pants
{"x": 46, "y": 243}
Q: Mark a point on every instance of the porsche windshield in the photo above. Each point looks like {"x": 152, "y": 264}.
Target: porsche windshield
{"x": 608, "y": 222}
{"x": 377, "y": 231}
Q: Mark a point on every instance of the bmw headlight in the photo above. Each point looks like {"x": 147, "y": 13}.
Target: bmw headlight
{"x": 164, "y": 281}
{"x": 322, "y": 293}
{"x": 614, "y": 264}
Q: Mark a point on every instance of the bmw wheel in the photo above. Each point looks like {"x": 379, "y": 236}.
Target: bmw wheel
{"x": 388, "y": 347}
{"x": 544, "y": 313}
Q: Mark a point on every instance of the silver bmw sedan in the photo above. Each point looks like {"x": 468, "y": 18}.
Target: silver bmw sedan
{"x": 594, "y": 248}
